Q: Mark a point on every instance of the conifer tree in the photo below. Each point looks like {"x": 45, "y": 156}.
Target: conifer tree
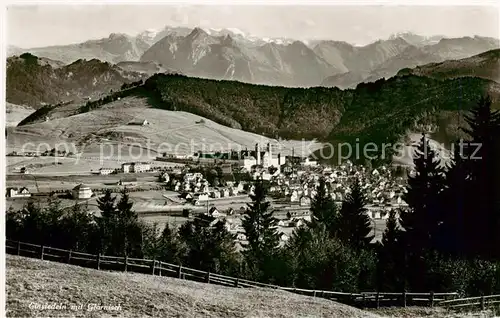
{"x": 107, "y": 204}
{"x": 261, "y": 232}
{"x": 79, "y": 229}
{"x": 170, "y": 248}
{"x": 354, "y": 224}
{"x": 323, "y": 208}
{"x": 482, "y": 211}
{"x": 390, "y": 261}
{"x": 420, "y": 221}
{"x": 423, "y": 198}
{"x": 129, "y": 229}
{"x": 108, "y": 222}
{"x": 210, "y": 246}
{"x": 452, "y": 231}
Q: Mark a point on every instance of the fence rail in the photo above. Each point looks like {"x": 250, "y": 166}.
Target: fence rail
{"x": 482, "y": 302}
{"x": 156, "y": 267}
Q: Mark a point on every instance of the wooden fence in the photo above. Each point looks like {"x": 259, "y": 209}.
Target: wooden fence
{"x": 156, "y": 267}
{"x": 481, "y": 302}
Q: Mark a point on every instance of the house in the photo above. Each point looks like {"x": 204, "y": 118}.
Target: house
{"x": 18, "y": 193}
{"x": 299, "y": 222}
{"x": 305, "y": 201}
{"x": 135, "y": 167}
{"x": 106, "y": 171}
{"x": 127, "y": 181}
{"x": 164, "y": 177}
{"x": 81, "y": 192}
{"x": 186, "y": 196}
{"x": 241, "y": 237}
{"x": 224, "y": 193}
{"x": 214, "y": 212}
{"x": 240, "y": 187}
{"x": 283, "y": 237}
{"x": 201, "y": 196}
{"x": 233, "y": 191}
{"x": 143, "y": 122}
{"x": 139, "y": 167}
{"x": 127, "y": 168}
{"x": 215, "y": 194}
{"x": 375, "y": 214}
{"x": 204, "y": 188}
{"x": 177, "y": 187}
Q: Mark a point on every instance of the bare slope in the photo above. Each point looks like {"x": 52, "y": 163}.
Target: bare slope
{"x": 16, "y": 113}
{"x": 41, "y": 282}
{"x": 166, "y": 131}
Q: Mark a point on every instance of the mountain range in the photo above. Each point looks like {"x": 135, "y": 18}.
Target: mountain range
{"x": 34, "y": 81}
{"x": 432, "y": 96}
{"x": 230, "y": 54}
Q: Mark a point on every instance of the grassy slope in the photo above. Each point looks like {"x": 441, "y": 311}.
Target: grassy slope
{"x": 29, "y": 280}
{"x": 167, "y": 128}
{"x": 16, "y": 113}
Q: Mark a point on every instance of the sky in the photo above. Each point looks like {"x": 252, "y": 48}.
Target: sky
{"x": 43, "y": 25}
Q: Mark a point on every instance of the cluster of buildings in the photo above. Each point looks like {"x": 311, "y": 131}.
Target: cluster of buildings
{"x": 261, "y": 158}
{"x": 384, "y": 191}
{"x": 18, "y": 193}
{"x": 128, "y": 167}
{"x": 194, "y": 187}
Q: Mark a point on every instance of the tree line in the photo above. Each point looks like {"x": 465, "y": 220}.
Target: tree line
{"x": 448, "y": 239}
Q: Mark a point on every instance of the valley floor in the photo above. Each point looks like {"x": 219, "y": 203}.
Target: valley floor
{"x": 77, "y": 291}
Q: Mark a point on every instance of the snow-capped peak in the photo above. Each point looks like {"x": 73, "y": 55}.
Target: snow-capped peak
{"x": 149, "y": 33}
{"x": 236, "y": 31}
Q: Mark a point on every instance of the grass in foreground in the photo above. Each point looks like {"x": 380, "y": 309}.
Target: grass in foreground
{"x": 414, "y": 312}
{"x": 31, "y": 282}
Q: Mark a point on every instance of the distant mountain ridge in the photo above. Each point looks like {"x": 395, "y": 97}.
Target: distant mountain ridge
{"x": 408, "y": 103}
{"x": 232, "y": 54}
{"x": 34, "y": 81}
{"x": 485, "y": 65}
{"x": 409, "y": 56}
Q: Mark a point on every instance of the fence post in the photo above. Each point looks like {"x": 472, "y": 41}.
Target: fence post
{"x": 69, "y": 257}
{"x": 314, "y": 294}
{"x": 236, "y": 282}
{"x": 154, "y": 265}
{"x": 482, "y": 302}
{"x": 98, "y": 260}
{"x": 377, "y": 299}
{"x": 179, "y": 273}
{"x": 43, "y": 250}
{"x": 364, "y": 301}
{"x": 125, "y": 261}
{"x": 432, "y": 298}
{"x": 18, "y": 248}
{"x": 404, "y": 299}
{"x": 208, "y": 277}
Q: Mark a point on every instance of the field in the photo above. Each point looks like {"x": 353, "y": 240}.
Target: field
{"x": 16, "y": 113}
{"x": 110, "y": 131}
{"x": 37, "y": 283}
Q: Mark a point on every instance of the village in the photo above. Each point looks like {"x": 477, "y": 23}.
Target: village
{"x": 173, "y": 189}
